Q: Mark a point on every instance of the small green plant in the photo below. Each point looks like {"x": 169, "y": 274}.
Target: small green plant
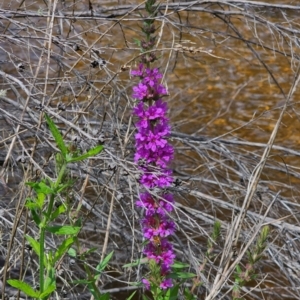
{"x": 177, "y": 273}
{"x": 44, "y": 213}
{"x": 212, "y": 241}
{"x": 254, "y": 255}
{"x": 92, "y": 278}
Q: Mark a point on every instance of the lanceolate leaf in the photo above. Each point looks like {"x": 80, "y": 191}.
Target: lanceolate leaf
{"x": 63, "y": 229}
{"x": 131, "y": 296}
{"x": 36, "y": 247}
{"x": 24, "y": 287}
{"x": 63, "y": 248}
{"x": 34, "y": 244}
{"x": 61, "y": 209}
{"x": 104, "y": 263}
{"x": 50, "y": 289}
{"x": 90, "y": 153}
{"x": 183, "y": 275}
{"x": 41, "y": 187}
{"x": 57, "y": 136}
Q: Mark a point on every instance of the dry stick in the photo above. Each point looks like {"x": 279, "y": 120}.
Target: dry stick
{"x": 9, "y": 22}
{"x": 108, "y": 225}
{"x": 252, "y": 185}
{"x": 226, "y": 205}
{"x": 226, "y": 274}
{"x": 19, "y": 207}
{"x": 93, "y": 44}
{"x": 16, "y": 220}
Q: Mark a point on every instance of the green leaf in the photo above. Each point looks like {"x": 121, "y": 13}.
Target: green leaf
{"x": 78, "y": 222}
{"x": 41, "y": 187}
{"x": 36, "y": 247}
{"x": 61, "y": 209}
{"x": 172, "y": 293}
{"x": 238, "y": 269}
{"x": 137, "y": 42}
{"x": 72, "y": 252}
{"x": 183, "y": 275}
{"x": 188, "y": 295}
{"x": 136, "y": 263}
{"x": 64, "y": 186}
{"x": 40, "y": 200}
{"x": 131, "y": 296}
{"x": 63, "y": 248}
{"x": 34, "y": 244}
{"x": 64, "y": 229}
{"x": 57, "y": 136}
{"x": 104, "y": 297}
{"x": 24, "y": 287}
{"x": 82, "y": 281}
{"x": 36, "y": 217}
{"x": 104, "y": 263}
{"x": 92, "y": 290}
{"x": 91, "y": 152}
{"x": 180, "y": 265}
{"x": 50, "y": 289}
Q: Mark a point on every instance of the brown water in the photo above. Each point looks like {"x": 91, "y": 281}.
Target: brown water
{"x": 221, "y": 89}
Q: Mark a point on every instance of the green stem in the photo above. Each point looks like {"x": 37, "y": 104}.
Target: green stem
{"x": 42, "y": 251}
{"x": 43, "y": 227}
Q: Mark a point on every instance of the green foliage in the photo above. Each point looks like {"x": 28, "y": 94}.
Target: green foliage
{"x": 42, "y": 212}
{"x": 57, "y": 137}
{"x": 59, "y": 210}
{"x": 63, "y": 229}
{"x": 72, "y": 252}
{"x": 102, "y": 265}
{"x": 182, "y": 275}
{"x": 41, "y": 188}
{"x": 254, "y": 255}
{"x": 24, "y": 287}
{"x": 92, "y": 152}
{"x": 213, "y": 239}
{"x": 188, "y": 295}
{"x": 63, "y": 248}
{"x": 131, "y": 296}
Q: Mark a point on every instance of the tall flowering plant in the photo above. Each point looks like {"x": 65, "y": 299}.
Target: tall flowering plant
{"x": 153, "y": 155}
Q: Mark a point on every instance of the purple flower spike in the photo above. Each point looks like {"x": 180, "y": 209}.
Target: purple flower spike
{"x": 153, "y": 154}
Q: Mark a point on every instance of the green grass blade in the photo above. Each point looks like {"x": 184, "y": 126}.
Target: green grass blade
{"x": 57, "y": 136}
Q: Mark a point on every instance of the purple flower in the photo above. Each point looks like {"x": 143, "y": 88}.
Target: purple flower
{"x": 139, "y": 72}
{"x": 140, "y": 91}
{"x": 152, "y": 76}
{"x": 142, "y": 113}
{"x": 154, "y": 141}
{"x": 146, "y": 283}
{"x": 162, "y": 128}
{"x": 164, "y": 156}
{"x": 166, "y": 283}
{"x": 148, "y": 180}
{"x": 157, "y": 111}
{"x": 168, "y": 258}
{"x": 165, "y": 205}
{"x": 164, "y": 180}
{"x": 166, "y": 227}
